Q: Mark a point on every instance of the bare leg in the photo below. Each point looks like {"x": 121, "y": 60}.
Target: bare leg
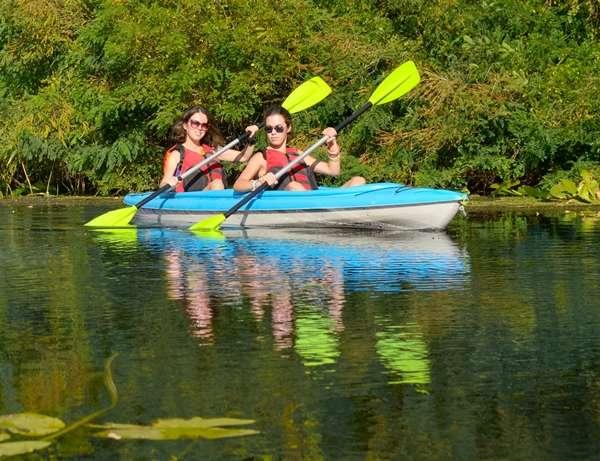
{"x": 355, "y": 181}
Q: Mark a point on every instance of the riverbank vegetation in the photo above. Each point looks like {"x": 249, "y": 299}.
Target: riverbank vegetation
{"x": 508, "y": 100}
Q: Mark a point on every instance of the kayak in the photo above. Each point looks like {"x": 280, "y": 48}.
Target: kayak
{"x": 371, "y": 206}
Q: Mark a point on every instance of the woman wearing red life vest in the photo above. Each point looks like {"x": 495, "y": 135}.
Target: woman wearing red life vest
{"x": 195, "y": 136}
{"x": 262, "y": 167}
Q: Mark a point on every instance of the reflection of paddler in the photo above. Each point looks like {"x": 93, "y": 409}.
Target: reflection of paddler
{"x": 335, "y": 281}
{"x": 283, "y": 318}
{"x": 249, "y": 273}
{"x": 404, "y": 352}
{"x": 190, "y": 285}
{"x": 261, "y": 281}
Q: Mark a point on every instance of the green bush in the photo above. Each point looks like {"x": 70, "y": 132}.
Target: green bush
{"x": 510, "y": 90}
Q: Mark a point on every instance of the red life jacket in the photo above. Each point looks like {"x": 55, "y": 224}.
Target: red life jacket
{"x": 203, "y": 177}
{"x": 301, "y": 173}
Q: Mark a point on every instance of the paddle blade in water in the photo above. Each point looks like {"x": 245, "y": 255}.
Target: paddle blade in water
{"x": 114, "y": 218}
{"x": 208, "y": 224}
{"x": 209, "y": 234}
{"x": 403, "y": 79}
{"x": 306, "y": 95}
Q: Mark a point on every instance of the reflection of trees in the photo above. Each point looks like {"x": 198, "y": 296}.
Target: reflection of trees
{"x": 45, "y": 340}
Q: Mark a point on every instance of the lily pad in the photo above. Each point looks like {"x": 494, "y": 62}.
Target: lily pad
{"x": 176, "y": 423}
{"x": 177, "y": 428}
{"x": 132, "y": 431}
{"x": 19, "y": 448}
{"x": 31, "y": 424}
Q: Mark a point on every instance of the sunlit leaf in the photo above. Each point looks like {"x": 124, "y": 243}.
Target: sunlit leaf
{"x": 4, "y": 436}
{"x": 529, "y": 191}
{"x": 178, "y": 423}
{"x": 177, "y": 428}
{"x": 156, "y": 433}
{"x": 19, "y": 448}
{"x": 114, "y": 426}
{"x": 587, "y": 189}
{"x": 132, "y": 432}
{"x": 31, "y": 424}
{"x": 222, "y": 433}
{"x": 564, "y": 189}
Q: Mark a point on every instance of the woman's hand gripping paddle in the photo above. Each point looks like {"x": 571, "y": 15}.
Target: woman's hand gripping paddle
{"x": 306, "y": 95}
{"x": 403, "y": 79}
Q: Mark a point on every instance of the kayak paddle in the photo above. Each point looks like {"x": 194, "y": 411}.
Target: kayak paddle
{"x": 306, "y": 95}
{"x": 403, "y": 79}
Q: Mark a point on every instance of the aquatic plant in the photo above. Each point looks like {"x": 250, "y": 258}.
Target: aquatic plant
{"x": 45, "y": 429}
{"x": 586, "y": 190}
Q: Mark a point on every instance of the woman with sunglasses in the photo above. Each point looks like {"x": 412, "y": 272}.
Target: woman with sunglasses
{"x": 195, "y": 137}
{"x": 262, "y": 167}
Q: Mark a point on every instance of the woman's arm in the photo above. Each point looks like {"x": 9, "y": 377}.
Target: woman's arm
{"x": 169, "y": 167}
{"x": 233, "y": 155}
{"x": 246, "y": 179}
{"x": 332, "y": 167}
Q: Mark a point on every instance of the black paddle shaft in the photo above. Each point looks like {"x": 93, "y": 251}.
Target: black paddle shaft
{"x": 357, "y": 113}
{"x": 249, "y": 196}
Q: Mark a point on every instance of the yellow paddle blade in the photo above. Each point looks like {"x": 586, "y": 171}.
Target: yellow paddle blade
{"x": 403, "y": 79}
{"x": 114, "y": 218}
{"x": 209, "y": 224}
{"x": 306, "y": 95}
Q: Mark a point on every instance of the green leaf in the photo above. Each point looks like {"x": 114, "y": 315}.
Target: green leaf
{"x": 4, "y": 436}
{"x": 200, "y": 422}
{"x": 176, "y": 428}
{"x": 528, "y": 191}
{"x": 31, "y": 424}
{"x": 19, "y": 448}
{"x": 586, "y": 175}
{"x": 564, "y": 189}
{"x": 506, "y": 188}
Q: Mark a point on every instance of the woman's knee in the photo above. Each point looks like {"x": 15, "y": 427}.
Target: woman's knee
{"x": 355, "y": 181}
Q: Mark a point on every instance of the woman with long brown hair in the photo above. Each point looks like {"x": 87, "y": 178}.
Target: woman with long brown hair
{"x": 194, "y": 136}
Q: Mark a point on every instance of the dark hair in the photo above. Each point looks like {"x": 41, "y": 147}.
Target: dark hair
{"x": 213, "y": 136}
{"x": 279, "y": 110}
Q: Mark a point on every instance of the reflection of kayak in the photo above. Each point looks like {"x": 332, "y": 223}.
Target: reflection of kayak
{"x": 383, "y": 262}
{"x": 379, "y": 206}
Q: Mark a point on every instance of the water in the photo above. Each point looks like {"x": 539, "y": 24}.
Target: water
{"x": 481, "y": 342}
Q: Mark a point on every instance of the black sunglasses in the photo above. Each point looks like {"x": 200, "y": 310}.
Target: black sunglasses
{"x": 277, "y": 128}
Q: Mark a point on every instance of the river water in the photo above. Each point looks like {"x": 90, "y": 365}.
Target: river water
{"x": 481, "y": 342}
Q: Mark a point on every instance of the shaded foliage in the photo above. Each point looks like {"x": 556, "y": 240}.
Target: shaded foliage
{"x": 89, "y": 88}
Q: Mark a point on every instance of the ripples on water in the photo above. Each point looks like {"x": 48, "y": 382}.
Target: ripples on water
{"x": 479, "y": 342}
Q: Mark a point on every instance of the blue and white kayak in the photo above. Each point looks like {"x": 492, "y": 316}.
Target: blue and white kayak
{"x": 372, "y": 206}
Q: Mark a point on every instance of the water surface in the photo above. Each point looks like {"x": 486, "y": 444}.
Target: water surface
{"x": 481, "y": 342}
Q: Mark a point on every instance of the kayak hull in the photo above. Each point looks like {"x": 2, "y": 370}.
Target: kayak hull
{"x": 373, "y": 206}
